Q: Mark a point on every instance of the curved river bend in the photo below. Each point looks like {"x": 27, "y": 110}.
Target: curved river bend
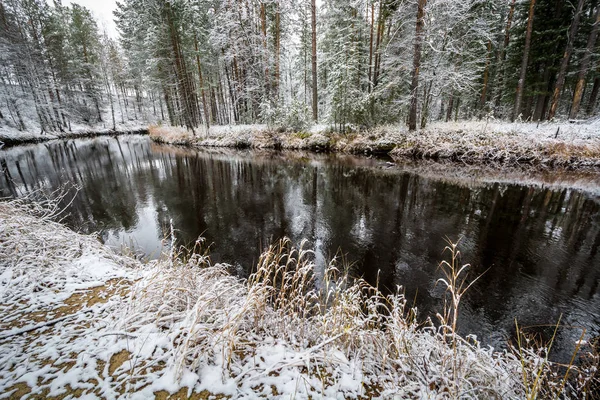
{"x": 539, "y": 245}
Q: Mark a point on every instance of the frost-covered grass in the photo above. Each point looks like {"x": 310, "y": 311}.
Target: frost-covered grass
{"x": 13, "y": 136}
{"x": 184, "y": 323}
{"x": 545, "y": 144}
{"x": 281, "y": 333}
{"x": 241, "y": 136}
{"x": 564, "y": 144}
{"x": 58, "y": 290}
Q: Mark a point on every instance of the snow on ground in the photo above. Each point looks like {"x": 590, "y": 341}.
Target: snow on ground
{"x": 565, "y": 144}
{"x": 546, "y": 144}
{"x": 78, "y": 320}
{"x": 57, "y": 289}
{"x": 126, "y": 120}
{"x": 11, "y": 136}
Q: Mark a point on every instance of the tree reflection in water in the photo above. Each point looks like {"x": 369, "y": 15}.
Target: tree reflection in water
{"x": 540, "y": 244}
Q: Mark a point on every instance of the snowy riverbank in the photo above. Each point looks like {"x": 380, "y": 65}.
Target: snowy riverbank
{"x": 571, "y": 145}
{"x": 12, "y": 137}
{"x": 78, "y": 319}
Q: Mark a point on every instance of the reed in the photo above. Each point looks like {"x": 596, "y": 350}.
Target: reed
{"x": 289, "y": 319}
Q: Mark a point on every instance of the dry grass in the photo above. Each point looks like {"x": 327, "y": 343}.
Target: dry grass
{"x": 506, "y": 148}
{"x": 170, "y": 134}
{"x": 289, "y": 330}
{"x": 479, "y": 142}
{"x": 332, "y": 331}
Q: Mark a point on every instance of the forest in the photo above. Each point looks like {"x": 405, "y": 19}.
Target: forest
{"x": 292, "y": 63}
{"x": 300, "y": 199}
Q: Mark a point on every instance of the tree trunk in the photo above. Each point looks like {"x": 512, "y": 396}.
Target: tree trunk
{"x": 263, "y": 27}
{"x": 593, "y": 97}
{"x": 450, "y": 105}
{"x": 486, "y": 75}
{"x": 585, "y": 64}
{"x": 542, "y": 97}
{"x": 305, "y": 58}
{"x": 523, "y": 74}
{"x": 426, "y": 102}
{"x": 204, "y": 107}
{"x": 234, "y": 103}
{"x": 153, "y": 103}
{"x": 313, "y": 11}
{"x": 560, "y": 80}
{"x": 186, "y": 96}
{"x": 371, "y": 47}
{"x": 502, "y": 54}
{"x": 110, "y": 97}
{"x": 169, "y": 105}
{"x": 160, "y": 104}
{"x": 379, "y": 39}
{"x": 277, "y": 50}
{"x": 527, "y": 110}
{"x": 121, "y": 87}
{"x": 414, "y": 86}
{"x": 456, "y": 109}
{"x": 60, "y": 105}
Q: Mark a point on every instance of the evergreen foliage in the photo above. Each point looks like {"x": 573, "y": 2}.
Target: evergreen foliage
{"x": 215, "y": 62}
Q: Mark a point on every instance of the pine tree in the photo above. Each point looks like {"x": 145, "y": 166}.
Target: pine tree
{"x": 84, "y": 41}
{"x": 414, "y": 86}
{"x": 585, "y": 63}
{"x": 560, "y": 80}
{"x": 523, "y": 73}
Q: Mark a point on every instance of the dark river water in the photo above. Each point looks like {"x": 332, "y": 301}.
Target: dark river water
{"x": 538, "y": 245}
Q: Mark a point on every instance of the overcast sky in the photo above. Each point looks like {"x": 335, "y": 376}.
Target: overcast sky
{"x": 103, "y": 11}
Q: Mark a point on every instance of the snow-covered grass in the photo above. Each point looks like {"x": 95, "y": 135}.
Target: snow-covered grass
{"x": 282, "y": 334}
{"x": 240, "y": 136}
{"x": 546, "y": 144}
{"x": 183, "y": 323}
{"x": 58, "y": 290}
{"x": 565, "y": 144}
{"x": 10, "y": 136}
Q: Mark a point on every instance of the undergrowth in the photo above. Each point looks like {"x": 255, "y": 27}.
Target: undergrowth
{"x": 333, "y": 334}
{"x": 472, "y": 142}
{"x": 291, "y": 330}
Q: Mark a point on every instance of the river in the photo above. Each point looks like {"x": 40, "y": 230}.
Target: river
{"x": 536, "y": 245}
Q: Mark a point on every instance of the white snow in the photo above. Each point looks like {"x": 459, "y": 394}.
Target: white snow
{"x": 569, "y": 144}
{"x": 190, "y": 324}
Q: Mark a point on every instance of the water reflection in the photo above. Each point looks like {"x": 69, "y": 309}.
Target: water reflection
{"x": 538, "y": 245}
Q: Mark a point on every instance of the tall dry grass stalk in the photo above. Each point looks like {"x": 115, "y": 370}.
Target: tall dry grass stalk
{"x": 455, "y": 279}
{"x": 542, "y": 378}
{"x": 333, "y": 329}
{"x": 288, "y": 325}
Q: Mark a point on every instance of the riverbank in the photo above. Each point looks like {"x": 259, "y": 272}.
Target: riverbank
{"x": 80, "y": 320}
{"x": 546, "y": 145}
{"x": 13, "y": 137}
{"x": 461, "y": 174}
